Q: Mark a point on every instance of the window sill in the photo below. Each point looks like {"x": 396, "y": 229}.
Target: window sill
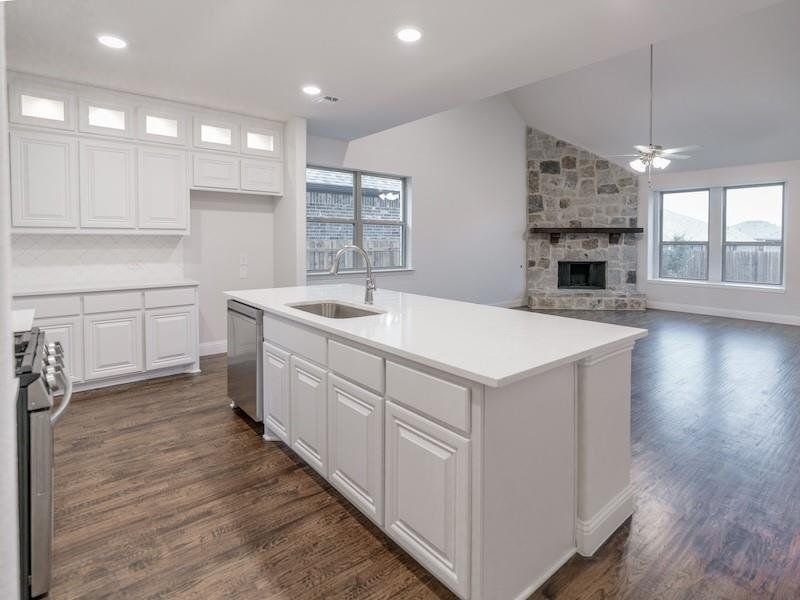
{"x": 360, "y": 273}
{"x": 720, "y": 285}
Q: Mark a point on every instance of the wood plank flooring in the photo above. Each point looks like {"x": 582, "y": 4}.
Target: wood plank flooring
{"x": 163, "y": 492}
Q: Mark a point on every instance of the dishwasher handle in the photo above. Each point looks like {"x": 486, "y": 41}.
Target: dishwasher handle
{"x": 244, "y": 309}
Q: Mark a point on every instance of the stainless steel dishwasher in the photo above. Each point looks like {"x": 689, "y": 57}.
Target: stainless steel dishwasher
{"x": 245, "y": 333}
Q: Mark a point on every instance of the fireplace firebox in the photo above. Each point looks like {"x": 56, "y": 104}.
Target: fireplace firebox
{"x": 582, "y": 275}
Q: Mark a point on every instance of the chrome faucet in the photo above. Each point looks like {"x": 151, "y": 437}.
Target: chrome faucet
{"x": 370, "y": 279}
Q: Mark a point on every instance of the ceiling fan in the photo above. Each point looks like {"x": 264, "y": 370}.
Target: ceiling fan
{"x": 653, "y": 155}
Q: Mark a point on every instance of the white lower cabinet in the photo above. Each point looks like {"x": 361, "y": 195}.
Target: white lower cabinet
{"x": 68, "y": 332}
{"x": 355, "y": 445}
{"x": 427, "y": 494}
{"x": 170, "y": 336}
{"x": 309, "y": 437}
{"x": 276, "y": 391}
{"x": 113, "y": 343}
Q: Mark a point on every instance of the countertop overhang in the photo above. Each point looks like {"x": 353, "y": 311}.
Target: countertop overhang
{"x": 486, "y": 344}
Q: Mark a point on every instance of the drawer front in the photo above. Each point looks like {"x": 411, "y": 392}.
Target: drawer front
{"x": 443, "y": 400}
{"x": 168, "y": 297}
{"x": 300, "y": 340}
{"x": 50, "y": 306}
{"x": 362, "y": 367}
{"x": 98, "y": 303}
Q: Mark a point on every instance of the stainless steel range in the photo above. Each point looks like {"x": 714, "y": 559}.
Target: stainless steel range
{"x": 41, "y": 372}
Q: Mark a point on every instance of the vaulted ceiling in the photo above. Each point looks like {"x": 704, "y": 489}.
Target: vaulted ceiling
{"x": 733, "y": 88}
{"x": 254, "y": 55}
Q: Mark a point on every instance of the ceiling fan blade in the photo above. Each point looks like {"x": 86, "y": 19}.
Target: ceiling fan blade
{"x": 679, "y": 149}
{"x": 622, "y": 156}
{"x": 643, "y": 148}
{"x": 677, "y": 156}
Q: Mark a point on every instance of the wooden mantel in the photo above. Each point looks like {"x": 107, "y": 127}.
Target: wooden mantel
{"x": 614, "y": 233}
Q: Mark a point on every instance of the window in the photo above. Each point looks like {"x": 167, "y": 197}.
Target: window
{"x": 683, "y": 251}
{"x": 753, "y": 234}
{"x": 161, "y": 126}
{"x": 351, "y": 207}
{"x": 215, "y": 135}
{"x": 260, "y": 141}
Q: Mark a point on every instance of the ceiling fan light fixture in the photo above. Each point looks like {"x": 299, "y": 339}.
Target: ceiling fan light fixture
{"x": 659, "y": 162}
{"x": 638, "y": 165}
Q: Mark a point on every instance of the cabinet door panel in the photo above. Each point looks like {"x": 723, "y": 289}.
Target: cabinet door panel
{"x": 262, "y": 176}
{"x": 112, "y": 344}
{"x": 216, "y": 171}
{"x": 355, "y": 441}
{"x": 309, "y": 414}
{"x": 44, "y": 180}
{"x": 171, "y": 337}
{"x": 427, "y": 494}
{"x": 163, "y": 189}
{"x": 108, "y": 184}
{"x": 276, "y": 391}
{"x": 68, "y": 332}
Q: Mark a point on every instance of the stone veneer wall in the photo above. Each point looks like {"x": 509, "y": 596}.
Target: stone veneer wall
{"x": 571, "y": 187}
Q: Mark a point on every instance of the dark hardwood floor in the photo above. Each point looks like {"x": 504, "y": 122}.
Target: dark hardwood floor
{"x": 163, "y": 492}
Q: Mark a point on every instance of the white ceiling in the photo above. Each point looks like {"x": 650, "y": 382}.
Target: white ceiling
{"x": 252, "y": 56}
{"x": 733, "y": 88}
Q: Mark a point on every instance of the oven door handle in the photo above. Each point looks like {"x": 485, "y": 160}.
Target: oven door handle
{"x": 67, "y": 382}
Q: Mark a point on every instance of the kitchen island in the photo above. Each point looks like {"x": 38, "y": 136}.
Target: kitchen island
{"x": 491, "y": 444}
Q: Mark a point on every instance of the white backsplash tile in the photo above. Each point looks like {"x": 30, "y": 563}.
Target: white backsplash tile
{"x": 86, "y": 259}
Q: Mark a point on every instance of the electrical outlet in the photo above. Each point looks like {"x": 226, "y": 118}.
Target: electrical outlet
{"x": 243, "y": 272}
{"x": 243, "y": 259}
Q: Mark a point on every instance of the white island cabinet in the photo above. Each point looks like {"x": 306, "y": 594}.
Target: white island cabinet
{"x": 490, "y": 444}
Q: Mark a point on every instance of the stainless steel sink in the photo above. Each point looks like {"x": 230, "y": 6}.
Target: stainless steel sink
{"x": 335, "y": 310}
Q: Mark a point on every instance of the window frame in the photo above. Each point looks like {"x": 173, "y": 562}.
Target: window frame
{"x": 724, "y": 234}
{"x": 662, "y": 243}
{"x": 358, "y": 221}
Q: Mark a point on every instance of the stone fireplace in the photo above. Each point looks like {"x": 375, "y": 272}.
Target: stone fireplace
{"x": 572, "y": 189}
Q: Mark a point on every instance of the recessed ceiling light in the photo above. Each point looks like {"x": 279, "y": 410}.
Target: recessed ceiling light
{"x": 112, "y": 41}
{"x": 311, "y": 90}
{"x": 408, "y": 34}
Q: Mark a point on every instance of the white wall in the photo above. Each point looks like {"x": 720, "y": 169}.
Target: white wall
{"x": 467, "y": 169}
{"x": 224, "y": 227}
{"x": 740, "y": 302}
{"x": 9, "y": 544}
{"x": 290, "y": 212}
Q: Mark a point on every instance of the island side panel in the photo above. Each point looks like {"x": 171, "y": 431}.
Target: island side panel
{"x": 528, "y": 482}
{"x": 605, "y": 495}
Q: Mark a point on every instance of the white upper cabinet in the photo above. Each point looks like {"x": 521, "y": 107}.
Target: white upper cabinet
{"x": 163, "y": 188}
{"x": 216, "y": 171}
{"x": 262, "y": 176}
{"x": 163, "y": 125}
{"x": 44, "y": 179}
{"x": 108, "y": 184}
{"x": 216, "y": 134}
{"x": 105, "y": 117}
{"x": 263, "y": 140}
{"x": 40, "y": 106}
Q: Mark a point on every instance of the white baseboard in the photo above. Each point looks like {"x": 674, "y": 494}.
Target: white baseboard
{"x": 218, "y": 347}
{"x": 590, "y": 535}
{"x": 528, "y": 591}
{"x": 726, "y": 312}
{"x": 84, "y": 386}
{"x": 516, "y": 302}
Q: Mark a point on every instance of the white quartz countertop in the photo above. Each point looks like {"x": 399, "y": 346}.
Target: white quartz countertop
{"x": 487, "y": 344}
{"x": 22, "y": 319}
{"x": 108, "y": 286}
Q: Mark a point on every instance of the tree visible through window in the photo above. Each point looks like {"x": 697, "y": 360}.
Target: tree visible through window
{"x": 351, "y": 207}
{"x": 684, "y": 235}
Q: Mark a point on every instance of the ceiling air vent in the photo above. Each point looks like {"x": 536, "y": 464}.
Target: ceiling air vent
{"x": 326, "y": 99}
